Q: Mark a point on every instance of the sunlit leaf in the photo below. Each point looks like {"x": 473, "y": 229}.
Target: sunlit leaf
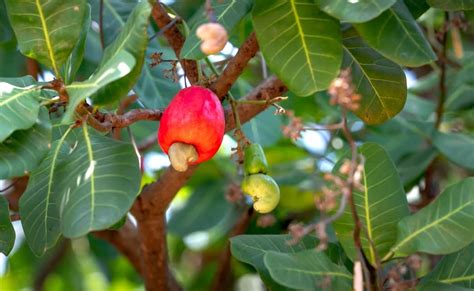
{"x": 307, "y": 270}
{"x": 40, "y": 203}
{"x": 397, "y": 36}
{"x": 47, "y": 30}
{"x": 74, "y": 60}
{"x": 19, "y": 104}
{"x": 442, "y": 227}
{"x": 354, "y": 11}
{"x": 99, "y": 182}
{"x": 133, "y": 39}
{"x": 120, "y": 65}
{"x": 456, "y": 269}
{"x": 380, "y": 206}
{"x": 380, "y": 82}
{"x": 251, "y": 249}
{"x": 301, "y": 44}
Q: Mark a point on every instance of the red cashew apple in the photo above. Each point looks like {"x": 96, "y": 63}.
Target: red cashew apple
{"x": 192, "y": 127}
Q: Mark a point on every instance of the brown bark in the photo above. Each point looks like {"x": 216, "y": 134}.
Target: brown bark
{"x": 125, "y": 240}
{"x": 175, "y": 39}
{"x": 235, "y": 66}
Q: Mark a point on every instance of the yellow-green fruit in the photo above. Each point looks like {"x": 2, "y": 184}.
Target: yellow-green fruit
{"x": 255, "y": 161}
{"x": 263, "y": 190}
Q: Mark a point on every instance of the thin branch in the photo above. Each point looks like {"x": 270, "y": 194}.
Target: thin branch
{"x": 130, "y": 117}
{"x": 147, "y": 143}
{"x": 442, "y": 79}
{"x": 370, "y": 276}
{"x": 175, "y": 39}
{"x": 235, "y": 66}
{"x": 101, "y": 23}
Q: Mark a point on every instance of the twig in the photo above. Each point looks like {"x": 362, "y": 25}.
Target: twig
{"x": 223, "y": 271}
{"x": 101, "y": 23}
{"x": 124, "y": 104}
{"x": 442, "y": 79}
{"x": 327, "y": 127}
{"x": 175, "y": 39}
{"x": 166, "y": 27}
{"x": 429, "y": 192}
{"x": 370, "y": 276}
{"x": 147, "y": 143}
{"x": 106, "y": 121}
{"x": 210, "y": 12}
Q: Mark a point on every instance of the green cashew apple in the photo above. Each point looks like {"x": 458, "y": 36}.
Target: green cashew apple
{"x": 263, "y": 190}
{"x": 255, "y": 161}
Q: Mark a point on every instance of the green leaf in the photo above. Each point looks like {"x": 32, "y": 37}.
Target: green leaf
{"x": 74, "y": 60}
{"x": 438, "y": 286}
{"x": 132, "y": 39}
{"x": 152, "y": 88}
{"x": 397, "y": 36}
{"x": 301, "y": 44}
{"x": 417, "y": 7}
{"x": 251, "y": 249}
{"x": 206, "y": 207}
{"x": 380, "y": 205}
{"x": 40, "y": 203}
{"x": 227, "y": 12}
{"x": 120, "y": 65}
{"x": 99, "y": 182}
{"x": 452, "y": 4}
{"x": 413, "y": 165}
{"x": 457, "y": 147}
{"x": 24, "y": 149}
{"x": 19, "y": 104}
{"x": 355, "y": 11}
{"x": 264, "y": 129}
{"x": 456, "y": 269}
{"x": 442, "y": 227}
{"x": 380, "y": 82}
{"x": 115, "y": 15}
{"x": 7, "y": 233}
{"x": 307, "y": 270}
{"x": 6, "y": 32}
{"x": 47, "y": 30}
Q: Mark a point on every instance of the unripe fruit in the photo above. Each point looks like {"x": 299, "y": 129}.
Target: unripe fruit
{"x": 192, "y": 127}
{"x": 213, "y": 36}
{"x": 255, "y": 161}
{"x": 263, "y": 190}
